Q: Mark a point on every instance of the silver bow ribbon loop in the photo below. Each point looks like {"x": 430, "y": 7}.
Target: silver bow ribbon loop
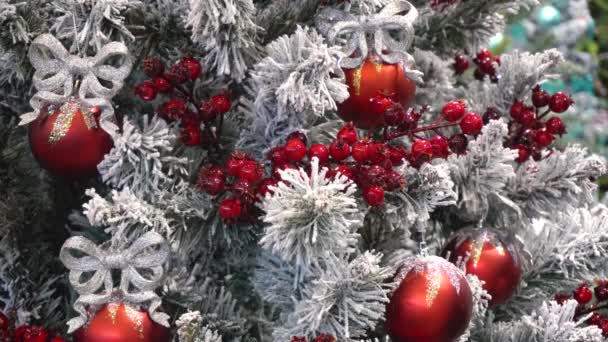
{"x": 57, "y": 72}
{"x": 85, "y": 259}
{"x": 389, "y": 32}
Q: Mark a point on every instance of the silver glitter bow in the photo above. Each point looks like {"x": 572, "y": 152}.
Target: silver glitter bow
{"x": 389, "y": 32}
{"x": 57, "y": 71}
{"x": 147, "y": 254}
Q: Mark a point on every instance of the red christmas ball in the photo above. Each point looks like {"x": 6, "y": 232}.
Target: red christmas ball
{"x": 68, "y": 141}
{"x": 433, "y": 302}
{"x": 492, "y": 258}
{"x": 371, "y": 79}
{"x": 121, "y": 323}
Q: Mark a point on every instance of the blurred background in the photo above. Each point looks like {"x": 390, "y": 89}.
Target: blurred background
{"x": 579, "y": 29}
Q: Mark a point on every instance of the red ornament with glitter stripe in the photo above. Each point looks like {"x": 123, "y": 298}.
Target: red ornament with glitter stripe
{"x": 371, "y": 79}
{"x": 491, "y": 257}
{"x": 67, "y": 139}
{"x": 432, "y": 303}
{"x": 121, "y": 323}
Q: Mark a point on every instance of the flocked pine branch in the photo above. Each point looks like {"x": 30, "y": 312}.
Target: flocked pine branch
{"x": 551, "y": 322}
{"x": 519, "y": 73}
{"x": 563, "y": 250}
{"x": 481, "y": 174}
{"x": 190, "y": 329}
{"x": 450, "y": 28}
{"x": 346, "y": 300}
{"x": 143, "y": 159}
{"x": 561, "y": 179}
{"x": 428, "y": 188}
{"x": 309, "y": 217}
{"x": 290, "y": 88}
{"x": 227, "y": 32}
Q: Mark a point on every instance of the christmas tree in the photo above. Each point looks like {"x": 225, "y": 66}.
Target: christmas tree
{"x": 292, "y": 170}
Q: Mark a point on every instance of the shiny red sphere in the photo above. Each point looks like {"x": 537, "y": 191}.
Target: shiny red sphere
{"x": 122, "y": 323}
{"x": 365, "y": 83}
{"x": 492, "y": 259}
{"x": 433, "y": 302}
{"x": 68, "y": 142}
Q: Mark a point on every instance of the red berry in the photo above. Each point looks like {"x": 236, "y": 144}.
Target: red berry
{"x": 297, "y": 135}
{"x": 540, "y": 98}
{"x": 299, "y": 339}
{"x": 212, "y": 185}
{"x": 458, "y": 143}
{"x": 230, "y": 210}
{"x": 5, "y": 323}
{"x": 527, "y": 118}
{"x": 31, "y": 334}
{"x": 394, "y": 181}
{"x": 561, "y": 298}
{"x": 162, "y": 85}
{"x": 471, "y": 124}
{"x": 235, "y": 162}
{"x": 560, "y": 102}
{"x": 360, "y": 151}
{"x": 486, "y": 65}
{"x": 320, "y": 151}
{"x": 191, "y": 135}
{"x": 178, "y": 74}
{"x": 596, "y": 319}
{"x": 453, "y": 110}
{"x": 339, "y": 150}
{"x": 377, "y": 153}
{"x": 206, "y": 111}
{"x": 516, "y": 109}
{"x": 345, "y": 170}
{"x": 543, "y": 138}
{"x": 484, "y": 53}
{"x": 461, "y": 64}
{"x": 373, "y": 175}
{"x": 396, "y": 154}
{"x": 440, "y": 146}
{"x": 278, "y": 155}
{"x": 490, "y": 114}
{"x": 213, "y": 170}
{"x": 410, "y": 121}
{"x": 193, "y": 66}
{"x": 379, "y": 105}
{"x": 221, "y": 103}
{"x": 422, "y": 149}
{"x": 295, "y": 149}
{"x": 601, "y": 292}
{"x": 394, "y": 115}
{"x": 522, "y": 153}
{"x": 173, "y": 109}
{"x": 153, "y": 67}
{"x": 244, "y": 190}
{"x": 583, "y": 294}
{"x": 374, "y": 196}
{"x": 555, "y": 125}
{"x": 251, "y": 170}
{"x": 479, "y": 75}
{"x": 57, "y": 339}
{"x": 146, "y": 91}
{"x": 264, "y": 187}
{"x": 604, "y": 326}
{"x": 347, "y": 133}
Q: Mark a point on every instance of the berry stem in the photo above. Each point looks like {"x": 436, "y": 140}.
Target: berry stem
{"x": 544, "y": 114}
{"x": 590, "y": 310}
{"x": 185, "y": 93}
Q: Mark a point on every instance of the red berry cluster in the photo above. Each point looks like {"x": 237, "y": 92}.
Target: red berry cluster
{"x": 485, "y": 65}
{"x": 400, "y": 122}
{"x": 367, "y": 162}
{"x": 320, "y": 338}
{"x": 25, "y": 333}
{"x": 241, "y": 176}
{"x": 442, "y": 4}
{"x": 529, "y": 133}
{"x": 181, "y": 105}
{"x": 585, "y": 296}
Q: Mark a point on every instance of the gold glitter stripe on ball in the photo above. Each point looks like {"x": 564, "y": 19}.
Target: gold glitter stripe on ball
{"x": 137, "y": 318}
{"x": 433, "y": 284}
{"x": 357, "y": 80}
{"x": 64, "y": 120}
{"x": 113, "y": 311}
{"x": 477, "y": 248}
